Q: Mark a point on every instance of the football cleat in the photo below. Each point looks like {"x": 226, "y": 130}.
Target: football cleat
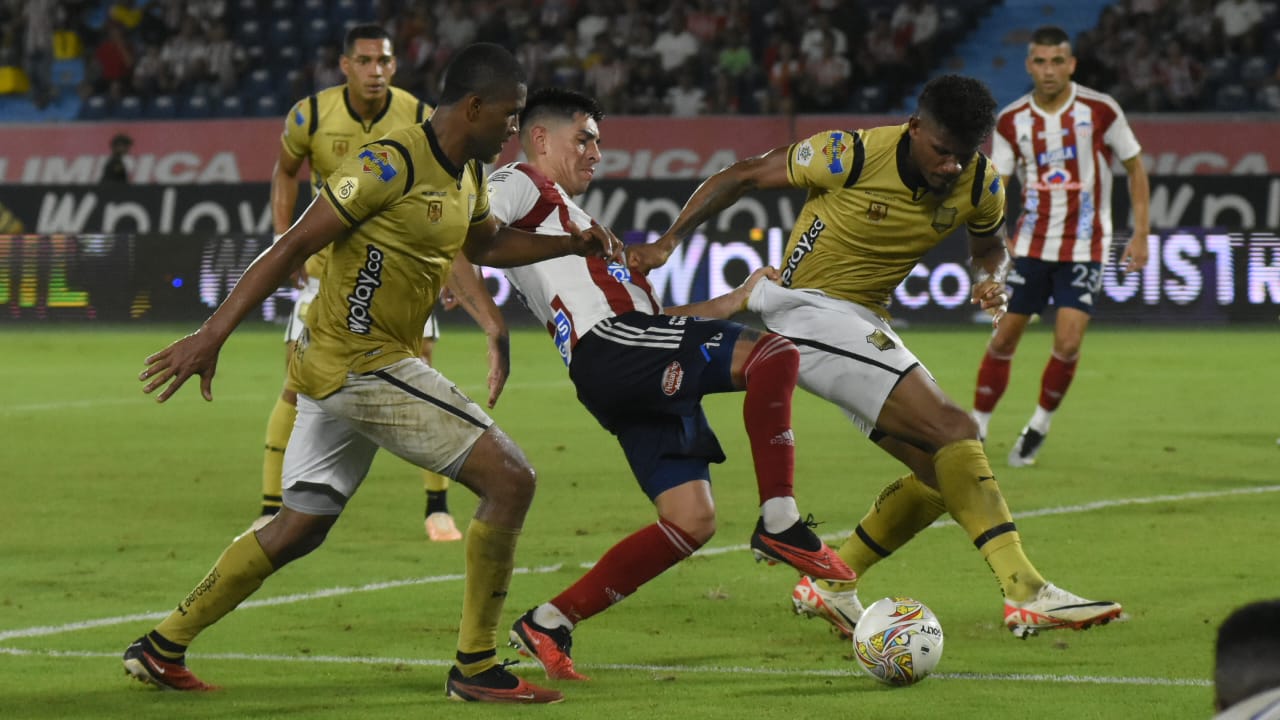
{"x": 800, "y": 548}
{"x": 143, "y": 663}
{"x": 1025, "y": 448}
{"x": 841, "y": 609}
{"x": 440, "y": 527}
{"x": 1054, "y": 608}
{"x": 549, "y": 647}
{"x": 497, "y": 685}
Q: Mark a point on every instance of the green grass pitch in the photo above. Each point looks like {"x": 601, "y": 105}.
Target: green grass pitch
{"x": 1159, "y": 487}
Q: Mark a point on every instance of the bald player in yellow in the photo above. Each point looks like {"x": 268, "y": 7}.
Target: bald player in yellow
{"x": 879, "y": 199}
{"x": 324, "y": 129}
{"x": 396, "y": 215}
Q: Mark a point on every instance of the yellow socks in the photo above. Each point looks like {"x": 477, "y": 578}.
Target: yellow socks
{"x": 279, "y": 428}
{"x": 905, "y": 507}
{"x": 973, "y": 498}
{"x": 490, "y": 559}
{"x": 237, "y": 574}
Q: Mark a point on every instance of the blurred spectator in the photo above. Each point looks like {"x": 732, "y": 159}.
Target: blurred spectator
{"x": 1090, "y": 70}
{"x": 735, "y": 58}
{"x": 592, "y": 23}
{"x": 224, "y": 61}
{"x": 606, "y": 75}
{"x": 1180, "y": 78}
{"x": 1239, "y": 18}
{"x": 455, "y": 27}
{"x": 532, "y": 53}
{"x": 112, "y": 61}
{"x": 725, "y": 99}
{"x": 566, "y": 63}
{"x": 675, "y": 45}
{"x": 686, "y": 99}
{"x": 326, "y": 73}
{"x": 705, "y": 22}
{"x": 645, "y": 92}
{"x": 816, "y": 28}
{"x": 826, "y": 79}
{"x": 186, "y": 55}
{"x": 632, "y": 17}
{"x": 784, "y": 77}
{"x": 915, "y": 26}
{"x": 151, "y": 74}
{"x": 37, "y": 44}
{"x": 496, "y": 29}
{"x": 880, "y": 57}
{"x": 116, "y": 171}
{"x": 206, "y": 12}
{"x": 1138, "y": 82}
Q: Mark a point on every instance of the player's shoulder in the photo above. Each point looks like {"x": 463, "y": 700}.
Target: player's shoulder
{"x": 408, "y": 105}
{"x": 1022, "y": 104}
{"x": 512, "y": 173}
{"x": 1098, "y": 99}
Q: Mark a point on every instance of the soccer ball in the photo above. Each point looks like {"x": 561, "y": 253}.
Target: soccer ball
{"x": 898, "y": 641}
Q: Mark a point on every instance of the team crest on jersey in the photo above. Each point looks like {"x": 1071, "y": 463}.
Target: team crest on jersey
{"x": 378, "y": 163}
{"x": 672, "y": 379}
{"x": 877, "y": 211}
{"x": 298, "y": 117}
{"x": 435, "y": 210}
{"x": 804, "y": 154}
{"x": 832, "y": 152}
{"x": 340, "y": 148}
{"x": 619, "y": 271}
{"x": 346, "y": 188}
{"x": 943, "y": 218}
{"x": 881, "y": 340}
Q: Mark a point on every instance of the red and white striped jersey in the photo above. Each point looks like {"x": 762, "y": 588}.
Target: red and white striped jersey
{"x": 1063, "y": 162}
{"x": 567, "y": 294}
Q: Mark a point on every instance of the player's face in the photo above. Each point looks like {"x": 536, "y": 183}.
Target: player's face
{"x": 497, "y": 118}
{"x": 1050, "y": 68}
{"x": 937, "y": 156}
{"x": 369, "y": 68}
{"x": 573, "y": 151}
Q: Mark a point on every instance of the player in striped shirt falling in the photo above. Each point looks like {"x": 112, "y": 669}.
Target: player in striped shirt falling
{"x": 1060, "y": 139}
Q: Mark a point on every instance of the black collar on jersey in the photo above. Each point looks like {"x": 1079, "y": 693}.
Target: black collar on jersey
{"x": 910, "y": 176}
{"x": 346, "y": 100}
{"x": 441, "y": 158}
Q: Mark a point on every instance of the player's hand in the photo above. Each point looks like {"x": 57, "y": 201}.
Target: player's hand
{"x": 448, "y": 300}
{"x": 195, "y": 354}
{"x": 992, "y": 297}
{"x": 743, "y": 291}
{"x": 1135, "y": 253}
{"x": 643, "y": 258}
{"x": 596, "y": 240}
{"x": 499, "y": 366}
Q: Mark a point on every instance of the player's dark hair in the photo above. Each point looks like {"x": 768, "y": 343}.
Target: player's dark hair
{"x": 482, "y": 69}
{"x": 1247, "y": 657}
{"x": 1049, "y": 35}
{"x": 558, "y": 102}
{"x": 368, "y": 31}
{"x": 963, "y": 107}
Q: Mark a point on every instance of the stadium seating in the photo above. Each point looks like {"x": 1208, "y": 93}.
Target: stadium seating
{"x": 194, "y": 106}
{"x": 129, "y": 108}
{"x": 95, "y": 107}
{"x": 162, "y": 107}
{"x": 231, "y": 106}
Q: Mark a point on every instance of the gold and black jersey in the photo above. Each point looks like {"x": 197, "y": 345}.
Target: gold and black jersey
{"x": 864, "y": 225}
{"x": 325, "y": 129}
{"x": 409, "y": 210}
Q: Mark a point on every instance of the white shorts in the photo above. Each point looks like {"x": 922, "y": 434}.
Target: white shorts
{"x": 848, "y": 354}
{"x": 298, "y": 318}
{"x": 408, "y": 408}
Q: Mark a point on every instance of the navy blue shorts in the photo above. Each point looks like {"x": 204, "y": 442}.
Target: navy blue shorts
{"x": 643, "y": 377}
{"x": 1070, "y": 284}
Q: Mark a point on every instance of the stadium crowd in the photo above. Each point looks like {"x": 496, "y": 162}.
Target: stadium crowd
{"x": 680, "y": 58}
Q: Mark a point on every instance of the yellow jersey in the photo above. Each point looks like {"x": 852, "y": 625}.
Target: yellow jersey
{"x": 325, "y": 129}
{"x": 864, "y": 225}
{"x": 409, "y": 210}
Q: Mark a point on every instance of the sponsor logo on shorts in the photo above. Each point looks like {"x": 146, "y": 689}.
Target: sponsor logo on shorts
{"x": 804, "y": 246}
{"x": 881, "y": 341}
{"x": 672, "y": 378}
{"x": 367, "y": 281}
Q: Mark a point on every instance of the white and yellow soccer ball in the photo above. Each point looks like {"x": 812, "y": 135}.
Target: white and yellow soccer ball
{"x": 898, "y": 641}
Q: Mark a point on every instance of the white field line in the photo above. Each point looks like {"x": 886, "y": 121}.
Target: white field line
{"x": 44, "y": 630}
{"x": 630, "y": 667}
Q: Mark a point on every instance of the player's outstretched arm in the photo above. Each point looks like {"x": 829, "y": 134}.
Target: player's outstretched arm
{"x": 490, "y": 243}
{"x": 734, "y": 301}
{"x": 469, "y": 291}
{"x": 197, "y": 353}
{"x": 1136, "y": 252}
{"x": 715, "y": 194}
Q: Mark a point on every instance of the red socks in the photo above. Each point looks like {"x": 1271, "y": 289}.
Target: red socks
{"x": 1055, "y": 381}
{"x": 771, "y": 371}
{"x": 993, "y": 378}
{"x": 634, "y": 561}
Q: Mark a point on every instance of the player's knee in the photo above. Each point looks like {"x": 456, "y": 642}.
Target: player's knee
{"x": 700, "y": 527}
{"x": 515, "y": 485}
{"x": 949, "y": 424}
